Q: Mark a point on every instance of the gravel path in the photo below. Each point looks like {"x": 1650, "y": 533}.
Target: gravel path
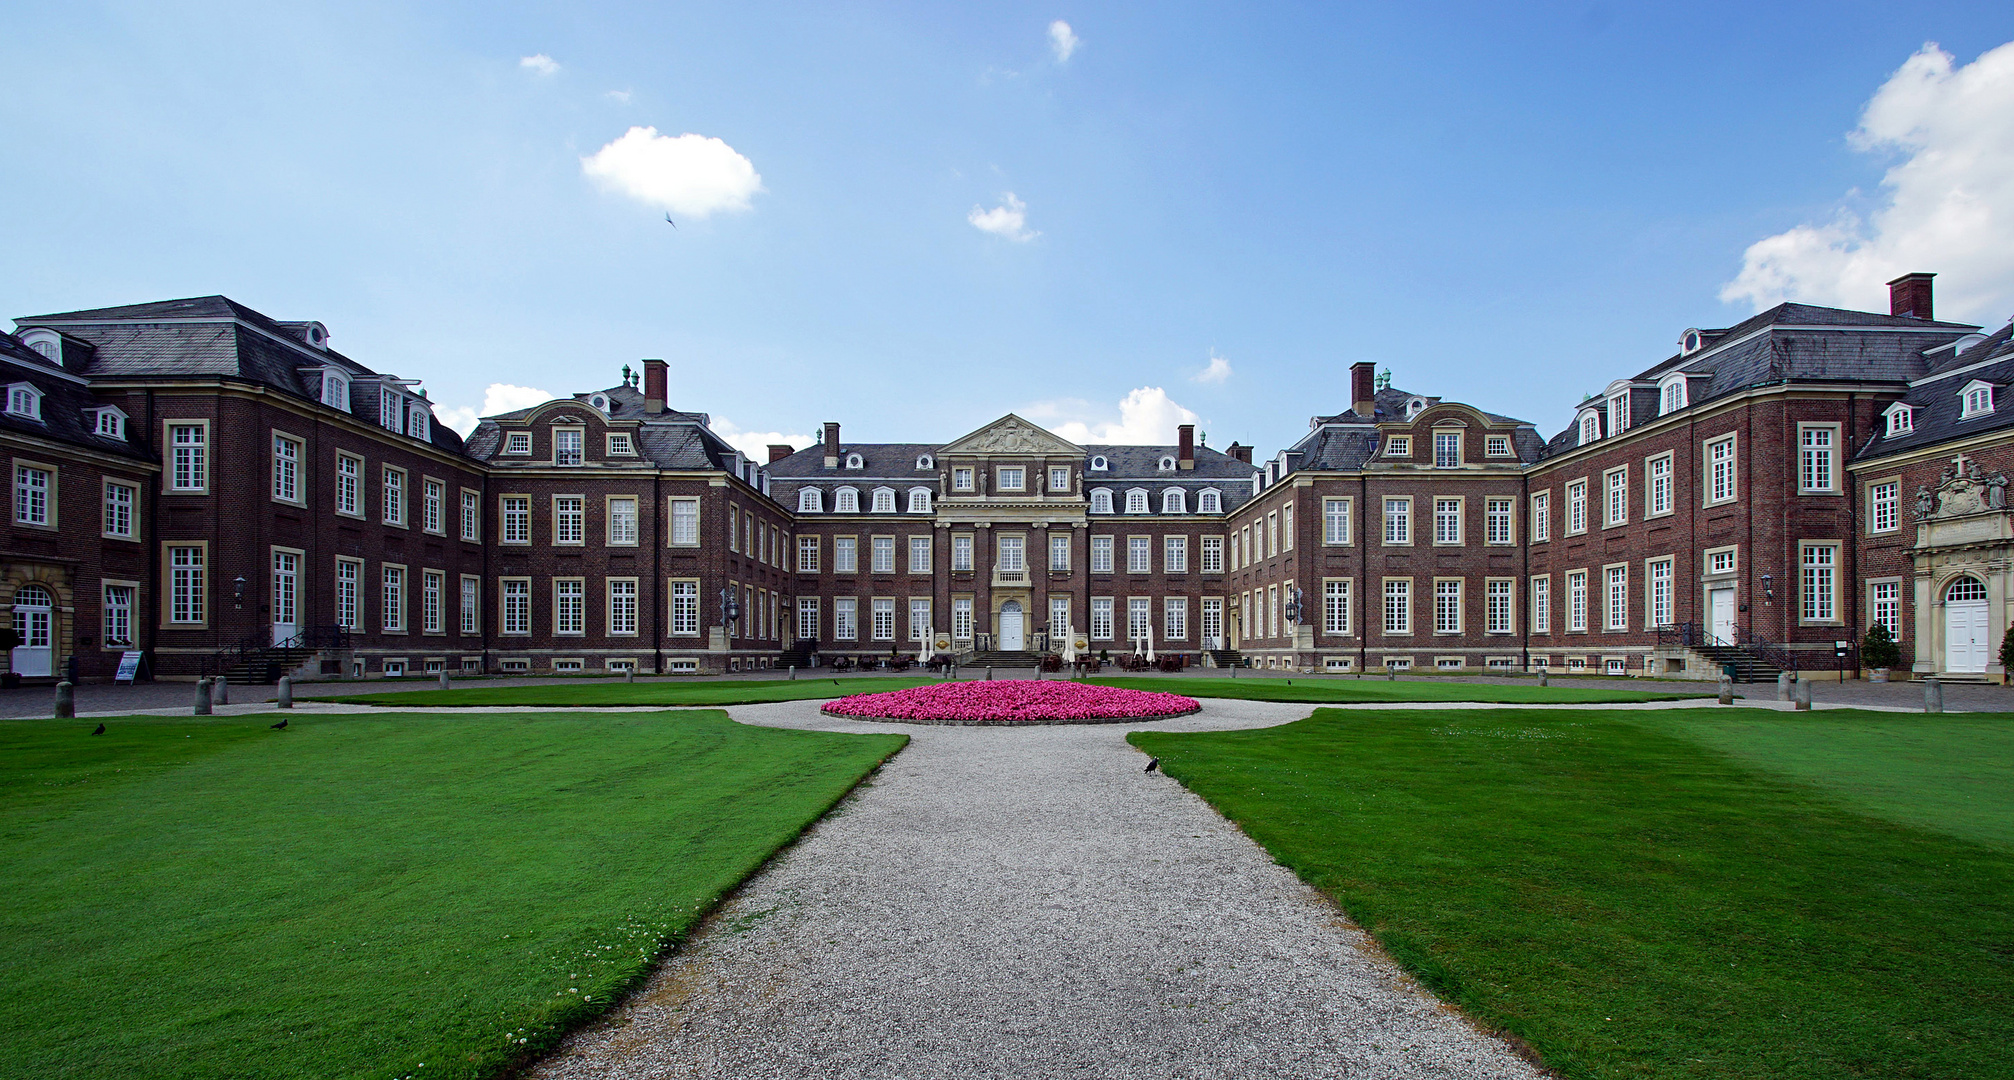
{"x": 1028, "y": 903}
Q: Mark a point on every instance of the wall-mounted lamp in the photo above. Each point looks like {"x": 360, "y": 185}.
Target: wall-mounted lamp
{"x": 238, "y": 591}
{"x": 1768, "y": 592}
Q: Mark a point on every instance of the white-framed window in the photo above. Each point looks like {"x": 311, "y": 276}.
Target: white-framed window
{"x": 1447, "y": 521}
{"x": 685, "y": 608}
{"x": 1497, "y": 520}
{"x": 349, "y": 610}
{"x": 1447, "y": 449}
{"x": 1213, "y": 620}
{"x": 1336, "y": 606}
{"x": 1175, "y": 618}
{"x": 568, "y": 446}
{"x": 1541, "y": 604}
{"x": 1099, "y": 464}
{"x": 1618, "y": 414}
{"x": 1720, "y": 470}
{"x": 1576, "y": 601}
{"x": 920, "y": 625}
{"x": 1209, "y": 501}
{"x": 622, "y": 524}
{"x": 1136, "y": 501}
{"x": 1398, "y": 606}
{"x": 1498, "y": 617}
{"x": 1576, "y": 508}
{"x": 1618, "y": 597}
{"x": 349, "y": 482}
{"x": 569, "y": 607}
{"x": 1101, "y": 618}
{"x": 118, "y": 614}
{"x": 517, "y": 442}
{"x": 391, "y": 411}
{"x": 1975, "y": 400}
{"x": 884, "y": 500}
{"x": 961, "y": 618}
{"x": 1674, "y": 397}
{"x": 845, "y": 555}
{"x": 1166, "y": 464}
{"x": 286, "y": 469}
{"x": 919, "y": 554}
{"x": 472, "y": 604}
{"x": 1335, "y": 521}
{"x": 517, "y": 606}
{"x": 1901, "y": 420}
{"x": 1174, "y": 501}
{"x": 685, "y": 523}
{"x": 845, "y": 618}
{"x": 1819, "y": 563}
{"x": 24, "y": 400}
{"x": 961, "y": 552}
{"x": 190, "y": 467}
{"x": 1059, "y": 551}
{"x": 420, "y": 422}
{"x": 1661, "y": 597}
{"x": 1884, "y": 501}
{"x": 855, "y": 461}
{"x": 1721, "y": 560}
{"x": 622, "y": 607}
{"x": 1398, "y": 521}
{"x": 1139, "y": 554}
{"x": 1496, "y": 446}
{"x": 395, "y": 496}
{"x": 516, "y": 519}
{"x": 1213, "y": 555}
{"x": 810, "y": 500}
{"x": 1399, "y": 446}
{"x": 31, "y": 494}
{"x": 1815, "y": 473}
{"x": 1059, "y": 478}
{"x": 121, "y": 501}
{"x": 1101, "y": 500}
{"x": 1174, "y": 554}
{"x": 807, "y": 554}
{"x": 1011, "y": 478}
{"x": 882, "y": 550}
{"x": 961, "y": 479}
{"x": 620, "y": 444}
{"x": 807, "y": 618}
{"x": 1541, "y": 516}
{"x": 109, "y": 423}
{"x": 569, "y": 520}
{"x": 919, "y": 500}
{"x": 1616, "y": 512}
{"x": 432, "y": 494}
{"x": 432, "y": 582}
{"x": 394, "y": 598}
{"x": 1886, "y": 600}
{"x": 1658, "y": 500}
{"x": 883, "y": 614}
{"x": 1139, "y": 618}
{"x": 335, "y": 391}
{"x": 1447, "y": 606}
{"x": 1101, "y": 554}
{"x": 1590, "y": 427}
{"x": 1059, "y": 619}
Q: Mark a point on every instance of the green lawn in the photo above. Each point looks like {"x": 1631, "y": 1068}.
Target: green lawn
{"x": 1633, "y": 902}
{"x": 561, "y": 695}
{"x": 357, "y": 895}
{"x": 1333, "y": 690}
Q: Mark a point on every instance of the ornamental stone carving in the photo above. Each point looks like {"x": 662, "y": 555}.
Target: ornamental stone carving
{"x": 1963, "y": 490}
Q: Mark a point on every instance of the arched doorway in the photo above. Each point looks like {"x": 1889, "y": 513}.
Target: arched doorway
{"x": 1968, "y": 631}
{"x": 1012, "y": 637}
{"x": 35, "y": 654}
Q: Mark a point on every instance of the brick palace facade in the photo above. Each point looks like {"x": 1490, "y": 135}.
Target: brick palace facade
{"x": 223, "y": 490}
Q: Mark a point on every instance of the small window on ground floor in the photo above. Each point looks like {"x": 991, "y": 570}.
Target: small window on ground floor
{"x": 1336, "y": 663}
{"x": 1502, "y": 662}
{"x": 686, "y": 666}
{"x": 566, "y": 666}
{"x": 394, "y": 668}
{"x": 1446, "y": 662}
{"x": 435, "y": 667}
{"x": 472, "y": 663}
{"x": 1576, "y": 663}
{"x": 515, "y": 665}
{"x": 1615, "y": 666}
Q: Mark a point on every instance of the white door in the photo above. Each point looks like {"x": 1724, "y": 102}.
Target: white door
{"x": 35, "y": 655}
{"x": 1720, "y": 616}
{"x": 286, "y": 596}
{"x": 1010, "y": 627}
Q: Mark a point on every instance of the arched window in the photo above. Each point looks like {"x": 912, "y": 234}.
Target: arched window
{"x": 23, "y": 399}
{"x": 1173, "y": 501}
{"x": 1674, "y": 397}
{"x": 1136, "y": 501}
{"x": 1209, "y": 501}
{"x": 1590, "y": 428}
{"x": 854, "y": 461}
{"x": 810, "y": 501}
{"x": 925, "y": 461}
{"x": 1099, "y": 464}
{"x": 919, "y": 500}
{"x": 1166, "y": 464}
{"x": 884, "y": 500}
{"x": 1101, "y": 500}
{"x": 1965, "y": 588}
{"x": 846, "y": 501}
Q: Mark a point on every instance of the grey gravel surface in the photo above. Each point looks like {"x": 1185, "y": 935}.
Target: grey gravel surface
{"x": 1028, "y": 903}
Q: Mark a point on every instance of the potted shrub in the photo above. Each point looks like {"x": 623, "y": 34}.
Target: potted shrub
{"x": 1879, "y": 652}
{"x": 2006, "y": 654}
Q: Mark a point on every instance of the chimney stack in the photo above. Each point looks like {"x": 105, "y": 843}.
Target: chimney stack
{"x": 779, "y": 451}
{"x": 1242, "y": 453}
{"x": 832, "y": 444}
{"x": 655, "y": 374}
{"x": 1185, "y": 454}
{"x": 1910, "y": 295}
{"x": 1364, "y": 389}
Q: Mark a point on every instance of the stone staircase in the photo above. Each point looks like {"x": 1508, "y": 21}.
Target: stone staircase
{"x": 1000, "y": 658}
{"x": 266, "y": 666}
{"x": 1229, "y": 658}
{"x": 1749, "y": 665}
{"x": 798, "y": 655}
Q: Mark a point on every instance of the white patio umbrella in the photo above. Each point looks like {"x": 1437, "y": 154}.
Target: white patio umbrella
{"x": 1150, "y": 647}
{"x": 1069, "y": 644}
{"x": 929, "y": 644}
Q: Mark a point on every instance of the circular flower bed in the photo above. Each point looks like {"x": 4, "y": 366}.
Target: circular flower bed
{"x": 1013, "y": 701}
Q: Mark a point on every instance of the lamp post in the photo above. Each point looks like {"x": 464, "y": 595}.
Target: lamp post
{"x": 238, "y": 591}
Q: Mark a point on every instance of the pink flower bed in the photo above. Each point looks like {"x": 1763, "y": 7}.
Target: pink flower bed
{"x": 1014, "y": 701}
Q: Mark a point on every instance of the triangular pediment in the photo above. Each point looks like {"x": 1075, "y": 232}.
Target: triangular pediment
{"x": 1011, "y": 435}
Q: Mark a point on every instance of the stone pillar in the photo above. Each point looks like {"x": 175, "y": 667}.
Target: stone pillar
{"x": 220, "y": 691}
{"x": 1726, "y": 690}
{"x": 66, "y": 700}
{"x": 1803, "y": 700}
{"x": 444, "y": 678}
{"x": 202, "y": 697}
{"x": 1933, "y": 696}
{"x": 1784, "y": 682}
{"x": 286, "y": 696}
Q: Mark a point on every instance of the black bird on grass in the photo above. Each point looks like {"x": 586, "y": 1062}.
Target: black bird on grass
{"x": 281, "y": 726}
{"x": 1152, "y": 764}
{"x": 100, "y": 731}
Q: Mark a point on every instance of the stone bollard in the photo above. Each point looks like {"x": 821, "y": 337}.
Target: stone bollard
{"x": 1726, "y": 690}
{"x": 793, "y": 673}
{"x": 66, "y": 700}
{"x": 286, "y": 696}
{"x": 444, "y": 679}
{"x": 629, "y": 676}
{"x": 1542, "y": 677}
{"x": 1391, "y": 673}
{"x": 1933, "y": 696}
{"x": 220, "y": 691}
{"x": 989, "y": 673}
{"x": 1803, "y": 695}
{"x": 203, "y": 697}
{"x": 1785, "y": 682}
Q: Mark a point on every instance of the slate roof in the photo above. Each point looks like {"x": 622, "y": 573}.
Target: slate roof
{"x": 669, "y": 440}
{"x": 64, "y": 418}
{"x": 1346, "y": 443}
{"x": 1936, "y": 399}
{"x": 201, "y": 336}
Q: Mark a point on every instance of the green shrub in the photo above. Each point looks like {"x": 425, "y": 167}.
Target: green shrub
{"x": 1880, "y": 651}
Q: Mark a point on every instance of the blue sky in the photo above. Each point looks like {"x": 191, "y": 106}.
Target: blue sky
{"x": 1505, "y": 204}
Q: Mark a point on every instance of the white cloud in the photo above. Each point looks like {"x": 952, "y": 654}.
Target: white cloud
{"x": 541, "y": 63}
{"x": 620, "y": 97}
{"x": 1062, "y": 41}
{"x": 1147, "y": 416}
{"x": 1218, "y": 370}
{"x": 1009, "y": 219}
{"x": 756, "y": 444}
{"x": 499, "y": 398}
{"x": 691, "y": 175}
{"x": 1949, "y": 200}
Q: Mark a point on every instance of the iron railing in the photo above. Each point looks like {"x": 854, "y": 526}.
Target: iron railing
{"x": 256, "y": 647}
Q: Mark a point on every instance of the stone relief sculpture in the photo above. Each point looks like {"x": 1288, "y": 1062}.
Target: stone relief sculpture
{"x": 1963, "y": 489}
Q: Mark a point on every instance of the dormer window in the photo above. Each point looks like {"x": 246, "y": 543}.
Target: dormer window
{"x": 925, "y": 462}
{"x": 1399, "y": 446}
{"x": 517, "y": 442}
{"x": 1901, "y": 420}
{"x": 24, "y": 400}
{"x": 1618, "y": 413}
{"x": 919, "y": 500}
{"x": 855, "y": 461}
{"x": 1174, "y": 501}
{"x": 1690, "y": 343}
{"x": 620, "y": 444}
{"x": 46, "y": 344}
{"x": 884, "y": 500}
{"x": 1590, "y": 428}
{"x": 1166, "y": 464}
{"x": 1136, "y": 501}
{"x": 1099, "y": 464}
{"x": 1673, "y": 398}
{"x": 1497, "y": 445}
{"x": 600, "y": 402}
{"x": 335, "y": 391}
{"x": 846, "y": 501}
{"x": 422, "y": 424}
{"x": 1101, "y": 500}
{"x": 1977, "y": 399}
{"x": 1209, "y": 501}
{"x": 1414, "y": 407}
{"x": 391, "y": 411}
{"x": 567, "y": 446}
{"x": 109, "y": 423}
{"x": 810, "y": 501}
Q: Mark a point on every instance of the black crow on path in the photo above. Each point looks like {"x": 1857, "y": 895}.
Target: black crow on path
{"x": 281, "y": 726}
{"x": 1152, "y": 764}
{"x": 100, "y": 731}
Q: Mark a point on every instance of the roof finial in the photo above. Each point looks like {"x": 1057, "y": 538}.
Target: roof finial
{"x": 1384, "y": 380}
